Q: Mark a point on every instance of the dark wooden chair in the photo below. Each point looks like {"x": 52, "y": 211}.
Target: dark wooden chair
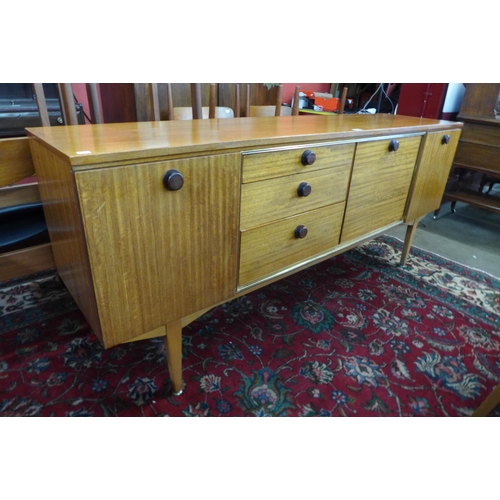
{"x": 274, "y": 109}
{"x": 343, "y": 99}
{"x": 150, "y": 106}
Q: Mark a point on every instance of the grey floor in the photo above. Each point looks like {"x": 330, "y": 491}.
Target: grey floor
{"x": 470, "y": 236}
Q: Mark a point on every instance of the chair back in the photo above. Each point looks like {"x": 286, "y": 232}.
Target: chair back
{"x": 186, "y": 113}
{"x": 269, "y": 110}
{"x": 148, "y": 103}
{"x": 273, "y": 110}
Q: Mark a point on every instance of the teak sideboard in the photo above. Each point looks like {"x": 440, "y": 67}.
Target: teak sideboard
{"x": 154, "y": 223}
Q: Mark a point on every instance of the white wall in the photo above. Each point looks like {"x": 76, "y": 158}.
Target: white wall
{"x": 454, "y": 96}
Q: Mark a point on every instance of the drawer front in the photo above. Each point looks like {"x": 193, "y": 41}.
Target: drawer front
{"x": 268, "y": 249}
{"x": 485, "y": 134}
{"x": 267, "y": 165}
{"x": 380, "y": 184}
{"x": 273, "y": 199}
{"x": 485, "y": 158}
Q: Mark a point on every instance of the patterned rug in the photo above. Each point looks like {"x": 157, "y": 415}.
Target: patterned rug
{"x": 357, "y": 335}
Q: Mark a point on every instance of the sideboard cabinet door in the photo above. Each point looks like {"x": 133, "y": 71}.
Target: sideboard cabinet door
{"x": 381, "y": 177}
{"x": 162, "y": 240}
{"x": 432, "y": 173}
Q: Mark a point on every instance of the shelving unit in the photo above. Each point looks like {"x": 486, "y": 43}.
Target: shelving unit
{"x": 476, "y": 166}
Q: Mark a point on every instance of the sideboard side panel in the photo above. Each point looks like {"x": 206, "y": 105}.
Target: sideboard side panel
{"x": 61, "y": 210}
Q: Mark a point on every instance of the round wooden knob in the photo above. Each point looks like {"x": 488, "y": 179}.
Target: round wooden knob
{"x": 308, "y": 157}
{"x": 393, "y": 145}
{"x": 173, "y": 180}
{"x": 304, "y": 189}
{"x": 446, "y": 139}
{"x": 300, "y": 231}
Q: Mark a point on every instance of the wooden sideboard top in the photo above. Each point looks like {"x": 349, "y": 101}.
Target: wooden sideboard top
{"x": 85, "y": 145}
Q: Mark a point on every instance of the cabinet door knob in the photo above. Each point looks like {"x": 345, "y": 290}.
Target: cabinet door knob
{"x": 308, "y": 157}
{"x": 304, "y": 189}
{"x": 393, "y": 145}
{"x": 300, "y": 231}
{"x": 173, "y": 180}
{"x": 446, "y": 139}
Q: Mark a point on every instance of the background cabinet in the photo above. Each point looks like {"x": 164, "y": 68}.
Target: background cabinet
{"x": 476, "y": 166}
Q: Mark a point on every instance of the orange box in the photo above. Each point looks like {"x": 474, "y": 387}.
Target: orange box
{"x": 323, "y": 100}
{"x": 328, "y": 104}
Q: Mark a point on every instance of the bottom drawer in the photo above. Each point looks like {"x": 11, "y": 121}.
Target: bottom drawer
{"x": 274, "y": 247}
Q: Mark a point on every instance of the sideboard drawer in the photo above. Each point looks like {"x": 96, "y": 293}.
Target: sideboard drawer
{"x": 273, "y": 199}
{"x": 271, "y": 248}
{"x": 270, "y": 164}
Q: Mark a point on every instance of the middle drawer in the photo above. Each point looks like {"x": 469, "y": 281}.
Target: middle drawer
{"x": 273, "y": 199}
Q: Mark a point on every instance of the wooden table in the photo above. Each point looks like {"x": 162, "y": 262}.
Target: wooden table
{"x": 152, "y": 224}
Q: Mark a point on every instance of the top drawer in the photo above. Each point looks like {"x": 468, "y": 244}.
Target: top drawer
{"x": 270, "y": 164}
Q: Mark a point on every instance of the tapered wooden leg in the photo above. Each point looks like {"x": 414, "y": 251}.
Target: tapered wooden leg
{"x": 410, "y": 234}
{"x": 173, "y": 346}
{"x": 489, "y": 404}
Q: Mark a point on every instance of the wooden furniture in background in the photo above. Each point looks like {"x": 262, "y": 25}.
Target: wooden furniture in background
{"x": 296, "y": 99}
{"x": 477, "y": 160}
{"x": 258, "y": 94}
{"x": 343, "y": 99}
{"x": 272, "y": 110}
{"x": 266, "y": 110}
{"x": 143, "y": 94}
{"x": 16, "y": 165}
{"x": 131, "y": 102}
{"x": 149, "y": 103}
{"x": 119, "y": 99}
{"x": 20, "y": 202}
{"x": 206, "y": 216}
{"x": 210, "y": 111}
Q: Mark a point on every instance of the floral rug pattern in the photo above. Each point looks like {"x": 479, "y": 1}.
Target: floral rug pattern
{"x": 356, "y": 335}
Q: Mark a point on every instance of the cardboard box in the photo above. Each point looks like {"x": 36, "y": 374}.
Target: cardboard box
{"x": 327, "y": 103}
{"x": 323, "y": 100}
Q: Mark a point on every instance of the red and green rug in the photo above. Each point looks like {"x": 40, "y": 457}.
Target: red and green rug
{"x": 357, "y": 335}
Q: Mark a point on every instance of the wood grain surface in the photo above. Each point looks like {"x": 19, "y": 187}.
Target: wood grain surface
{"x": 270, "y": 164}
{"x": 379, "y": 185}
{"x": 270, "y": 248}
{"x": 62, "y": 213}
{"x": 431, "y": 174}
{"x": 97, "y": 145}
{"x": 268, "y": 200}
{"x": 159, "y": 255}
{"x": 15, "y": 160}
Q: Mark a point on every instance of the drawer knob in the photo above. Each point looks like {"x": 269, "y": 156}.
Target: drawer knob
{"x": 446, "y": 139}
{"x": 308, "y": 157}
{"x": 300, "y": 231}
{"x": 304, "y": 189}
{"x": 393, "y": 145}
{"x": 173, "y": 180}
